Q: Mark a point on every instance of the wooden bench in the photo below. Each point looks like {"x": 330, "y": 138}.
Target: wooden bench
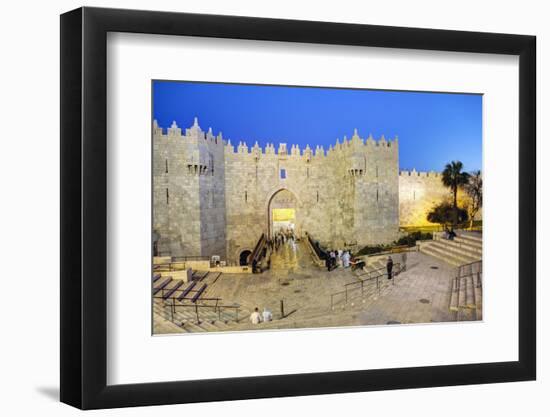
{"x": 172, "y": 290}
{"x": 186, "y": 291}
{"x": 162, "y": 286}
{"x": 198, "y": 293}
{"x": 156, "y": 277}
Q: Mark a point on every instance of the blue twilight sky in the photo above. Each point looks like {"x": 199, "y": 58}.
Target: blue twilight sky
{"x": 433, "y": 128}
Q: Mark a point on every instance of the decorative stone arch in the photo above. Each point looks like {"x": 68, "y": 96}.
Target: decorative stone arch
{"x": 270, "y": 196}
{"x": 244, "y": 257}
{"x": 275, "y": 190}
{"x": 239, "y": 252}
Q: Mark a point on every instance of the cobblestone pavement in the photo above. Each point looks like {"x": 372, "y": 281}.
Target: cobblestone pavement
{"x": 420, "y": 294}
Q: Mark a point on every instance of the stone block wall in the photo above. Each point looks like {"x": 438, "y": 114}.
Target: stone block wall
{"x": 419, "y": 192}
{"x": 214, "y": 198}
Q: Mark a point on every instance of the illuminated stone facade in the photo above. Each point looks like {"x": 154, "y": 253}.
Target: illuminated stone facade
{"x": 210, "y": 198}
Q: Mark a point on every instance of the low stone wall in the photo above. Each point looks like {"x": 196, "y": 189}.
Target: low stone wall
{"x": 198, "y": 265}
{"x": 182, "y": 275}
{"x": 232, "y": 269}
{"x": 371, "y": 259}
{"x": 158, "y": 260}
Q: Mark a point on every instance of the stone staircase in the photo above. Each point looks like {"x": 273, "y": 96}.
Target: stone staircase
{"x": 467, "y": 297}
{"x": 184, "y": 319}
{"x": 465, "y": 248}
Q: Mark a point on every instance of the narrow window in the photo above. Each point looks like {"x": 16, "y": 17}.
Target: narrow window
{"x": 246, "y": 196}
{"x": 376, "y": 194}
{"x": 317, "y": 196}
{"x": 283, "y": 174}
{"x": 307, "y": 172}
{"x": 377, "y": 171}
{"x": 166, "y": 166}
{"x": 167, "y": 197}
{"x": 414, "y": 194}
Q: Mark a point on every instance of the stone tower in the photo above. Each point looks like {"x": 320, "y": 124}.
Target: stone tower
{"x": 188, "y": 191}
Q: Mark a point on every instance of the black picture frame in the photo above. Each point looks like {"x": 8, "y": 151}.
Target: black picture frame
{"x": 84, "y": 207}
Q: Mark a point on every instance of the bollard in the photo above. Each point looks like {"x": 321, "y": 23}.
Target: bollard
{"x": 282, "y": 309}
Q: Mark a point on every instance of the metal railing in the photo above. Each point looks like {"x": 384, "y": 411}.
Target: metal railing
{"x": 362, "y": 282}
{"x": 169, "y": 266}
{"x": 469, "y": 269}
{"x": 190, "y": 258}
{"x": 256, "y": 253}
{"x": 319, "y": 251}
{"x": 216, "y": 308}
{"x": 477, "y": 226}
{"x": 472, "y": 269}
{"x": 163, "y": 254}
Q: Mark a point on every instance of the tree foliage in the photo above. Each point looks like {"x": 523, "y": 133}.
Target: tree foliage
{"x": 474, "y": 189}
{"x": 444, "y": 214}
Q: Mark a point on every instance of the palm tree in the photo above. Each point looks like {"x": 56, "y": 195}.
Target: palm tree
{"x": 453, "y": 177}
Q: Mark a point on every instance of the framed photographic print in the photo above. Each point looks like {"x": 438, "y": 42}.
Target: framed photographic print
{"x": 258, "y": 208}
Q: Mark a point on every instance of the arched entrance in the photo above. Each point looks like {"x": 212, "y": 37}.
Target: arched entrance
{"x": 243, "y": 257}
{"x": 282, "y": 212}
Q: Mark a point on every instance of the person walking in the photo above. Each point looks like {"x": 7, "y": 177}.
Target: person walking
{"x": 256, "y": 317}
{"x": 332, "y": 262}
{"x": 389, "y": 267}
{"x": 403, "y": 260}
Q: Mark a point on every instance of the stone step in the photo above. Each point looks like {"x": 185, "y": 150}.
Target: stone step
{"x": 466, "y": 314}
{"x": 472, "y": 236}
{"x": 457, "y": 247}
{"x": 163, "y": 326}
{"x": 451, "y": 258}
{"x": 468, "y": 241}
{"x": 212, "y": 319}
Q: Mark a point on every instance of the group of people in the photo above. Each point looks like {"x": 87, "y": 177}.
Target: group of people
{"x": 280, "y": 238}
{"x": 256, "y": 317}
{"x": 337, "y": 258}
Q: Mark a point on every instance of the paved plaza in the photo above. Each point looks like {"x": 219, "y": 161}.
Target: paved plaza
{"x": 420, "y": 294}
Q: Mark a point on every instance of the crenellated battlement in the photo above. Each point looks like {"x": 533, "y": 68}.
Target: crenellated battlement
{"x": 420, "y": 174}
{"x": 355, "y": 144}
{"x": 192, "y": 133}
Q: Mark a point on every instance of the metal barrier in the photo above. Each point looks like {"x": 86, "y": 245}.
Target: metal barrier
{"x": 469, "y": 269}
{"x": 320, "y": 252}
{"x": 360, "y": 284}
{"x": 256, "y": 253}
{"x": 216, "y": 307}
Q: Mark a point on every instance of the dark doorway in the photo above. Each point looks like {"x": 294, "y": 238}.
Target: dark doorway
{"x": 243, "y": 258}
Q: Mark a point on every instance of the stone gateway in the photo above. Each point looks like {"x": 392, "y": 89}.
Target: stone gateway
{"x": 212, "y": 199}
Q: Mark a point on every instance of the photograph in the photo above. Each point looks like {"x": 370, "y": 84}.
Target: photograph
{"x": 315, "y": 208}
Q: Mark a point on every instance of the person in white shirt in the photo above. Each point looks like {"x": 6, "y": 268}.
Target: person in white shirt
{"x": 346, "y": 259}
{"x": 339, "y": 254}
{"x": 255, "y": 317}
{"x": 266, "y": 315}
